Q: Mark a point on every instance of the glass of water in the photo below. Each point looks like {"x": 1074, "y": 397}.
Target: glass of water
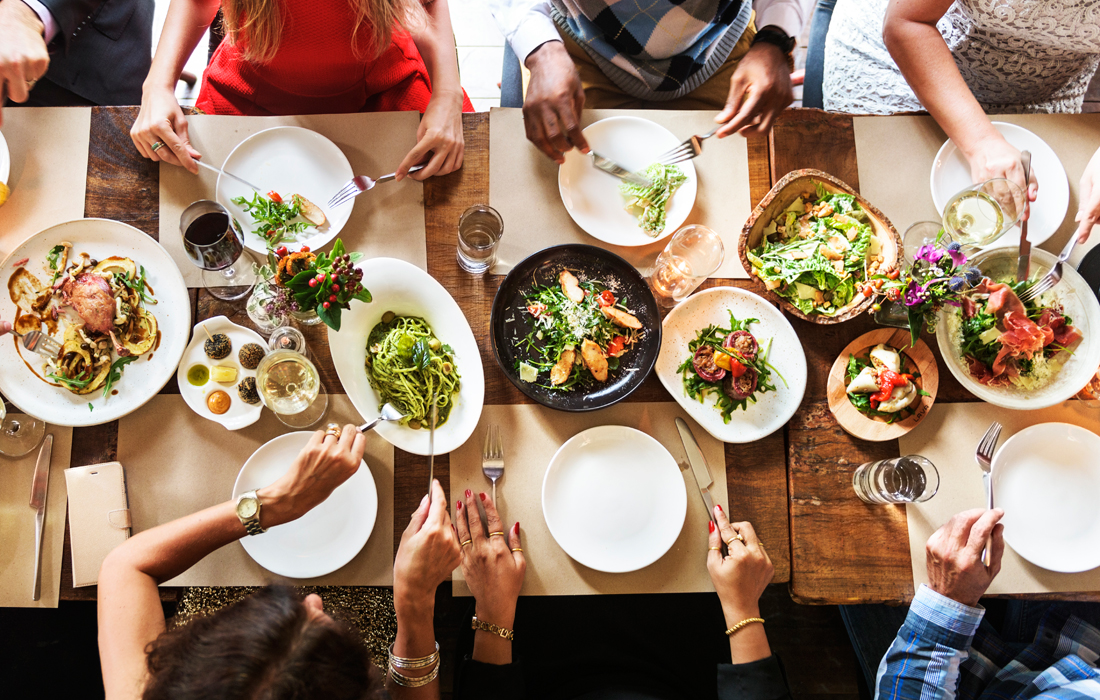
{"x": 693, "y": 254}
{"x": 479, "y": 230}
{"x": 907, "y": 479}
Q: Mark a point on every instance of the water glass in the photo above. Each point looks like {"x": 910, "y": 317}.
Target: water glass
{"x": 921, "y": 234}
{"x": 907, "y": 479}
{"x": 693, "y": 254}
{"x": 215, "y": 246}
{"x": 479, "y": 230}
{"x": 288, "y": 338}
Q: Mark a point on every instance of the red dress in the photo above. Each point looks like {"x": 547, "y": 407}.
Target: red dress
{"x": 315, "y": 70}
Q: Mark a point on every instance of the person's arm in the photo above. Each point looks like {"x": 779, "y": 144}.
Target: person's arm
{"x": 129, "y": 612}
{"x": 161, "y": 120}
{"x": 1088, "y": 212}
{"x": 23, "y": 54}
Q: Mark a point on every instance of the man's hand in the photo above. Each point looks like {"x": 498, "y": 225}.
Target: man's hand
{"x": 759, "y": 90}
{"x": 555, "y": 98}
{"x": 954, "y": 552}
{"x": 23, "y": 55}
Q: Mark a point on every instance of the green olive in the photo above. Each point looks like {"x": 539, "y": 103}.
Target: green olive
{"x": 388, "y": 317}
{"x": 414, "y": 424}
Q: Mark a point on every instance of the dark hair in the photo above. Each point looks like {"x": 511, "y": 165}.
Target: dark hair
{"x": 266, "y": 647}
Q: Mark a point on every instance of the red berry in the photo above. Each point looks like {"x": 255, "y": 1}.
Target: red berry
{"x": 281, "y": 251}
{"x": 335, "y": 287}
{"x": 325, "y": 305}
{"x": 332, "y": 297}
{"x": 313, "y": 283}
{"x": 305, "y": 249}
{"x": 321, "y": 277}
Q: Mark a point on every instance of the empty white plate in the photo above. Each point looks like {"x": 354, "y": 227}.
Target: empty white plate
{"x": 1049, "y": 496}
{"x": 324, "y": 539}
{"x": 614, "y": 499}
{"x": 951, "y": 174}
{"x": 592, "y": 196}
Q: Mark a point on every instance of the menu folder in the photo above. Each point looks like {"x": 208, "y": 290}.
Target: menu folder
{"x": 99, "y": 517}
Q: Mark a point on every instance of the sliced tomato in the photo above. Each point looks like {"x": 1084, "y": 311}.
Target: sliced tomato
{"x": 536, "y": 310}
{"x": 728, "y": 363}
{"x": 616, "y": 346}
{"x": 275, "y": 197}
{"x": 606, "y": 298}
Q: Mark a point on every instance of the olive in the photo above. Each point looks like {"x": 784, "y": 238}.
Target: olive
{"x": 414, "y": 424}
{"x": 388, "y": 317}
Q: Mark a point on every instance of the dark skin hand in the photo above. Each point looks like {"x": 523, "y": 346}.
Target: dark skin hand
{"x": 555, "y": 98}
{"x": 759, "y": 90}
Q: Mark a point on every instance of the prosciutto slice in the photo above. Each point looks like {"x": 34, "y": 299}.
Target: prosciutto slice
{"x": 1064, "y": 334}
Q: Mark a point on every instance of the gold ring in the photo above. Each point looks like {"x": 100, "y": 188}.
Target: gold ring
{"x": 760, "y": 545}
{"x": 517, "y": 549}
{"x": 157, "y": 145}
{"x": 333, "y": 430}
{"x": 738, "y": 538}
{"x": 496, "y": 534}
{"x": 463, "y": 544}
{"x": 715, "y": 549}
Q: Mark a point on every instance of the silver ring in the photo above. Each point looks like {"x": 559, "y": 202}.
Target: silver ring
{"x": 157, "y": 145}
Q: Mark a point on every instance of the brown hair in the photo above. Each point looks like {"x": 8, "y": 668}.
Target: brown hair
{"x": 266, "y": 647}
{"x": 260, "y": 24}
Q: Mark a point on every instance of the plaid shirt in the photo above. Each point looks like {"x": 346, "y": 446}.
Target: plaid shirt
{"x": 941, "y": 654}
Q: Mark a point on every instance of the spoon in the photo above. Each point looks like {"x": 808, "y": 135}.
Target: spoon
{"x": 389, "y": 413}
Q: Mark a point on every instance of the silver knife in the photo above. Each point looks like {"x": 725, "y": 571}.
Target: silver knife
{"x": 698, "y": 463}
{"x": 431, "y": 448}
{"x": 612, "y": 168}
{"x": 39, "y": 488}
{"x": 229, "y": 175}
{"x": 1023, "y": 266}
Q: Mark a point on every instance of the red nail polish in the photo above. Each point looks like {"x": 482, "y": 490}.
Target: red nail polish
{"x": 516, "y": 527}
{"x": 469, "y": 494}
{"x": 710, "y": 525}
{"x": 720, "y": 507}
{"x": 482, "y": 496}
{"x": 458, "y": 505}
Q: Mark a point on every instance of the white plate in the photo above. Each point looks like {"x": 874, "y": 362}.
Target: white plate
{"x": 614, "y": 499}
{"x": 5, "y": 160}
{"x": 141, "y": 380}
{"x": 1049, "y": 496}
{"x": 240, "y": 414}
{"x": 711, "y": 307}
{"x": 592, "y": 196}
{"x": 407, "y": 290}
{"x": 289, "y": 160}
{"x": 1078, "y": 302}
{"x": 951, "y": 174}
{"x": 324, "y": 539}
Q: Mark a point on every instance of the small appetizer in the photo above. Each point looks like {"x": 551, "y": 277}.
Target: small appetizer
{"x": 879, "y": 386}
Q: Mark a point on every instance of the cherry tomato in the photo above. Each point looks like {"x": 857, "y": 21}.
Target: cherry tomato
{"x": 616, "y": 345}
{"x": 606, "y": 298}
{"x": 275, "y": 197}
{"x": 305, "y": 249}
{"x": 536, "y": 310}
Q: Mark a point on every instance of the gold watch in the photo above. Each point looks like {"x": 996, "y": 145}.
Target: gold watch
{"x": 248, "y": 510}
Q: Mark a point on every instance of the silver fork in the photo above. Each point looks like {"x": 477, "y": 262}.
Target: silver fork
{"x": 35, "y": 341}
{"x": 686, "y": 150}
{"x": 360, "y": 184}
{"x": 1047, "y": 281}
{"x": 984, "y": 457}
{"x": 492, "y": 457}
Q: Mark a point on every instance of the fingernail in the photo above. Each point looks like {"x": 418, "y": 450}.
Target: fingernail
{"x": 469, "y": 493}
{"x": 458, "y": 505}
{"x": 710, "y": 525}
{"x": 482, "y": 496}
{"x": 515, "y": 528}
{"x": 719, "y": 507}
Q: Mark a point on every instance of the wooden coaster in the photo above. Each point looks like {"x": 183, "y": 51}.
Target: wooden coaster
{"x": 876, "y": 429}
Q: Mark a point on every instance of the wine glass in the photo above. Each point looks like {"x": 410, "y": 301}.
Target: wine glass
{"x": 19, "y": 434}
{"x": 921, "y": 234}
{"x": 290, "y": 385}
{"x": 981, "y": 214}
{"x": 213, "y": 241}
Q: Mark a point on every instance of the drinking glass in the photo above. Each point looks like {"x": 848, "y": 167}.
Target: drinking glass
{"x": 288, "y": 338}
{"x": 921, "y": 234}
{"x": 213, "y": 243}
{"x": 907, "y": 479}
{"x": 290, "y": 385}
{"x": 19, "y": 434}
{"x": 983, "y": 213}
{"x": 693, "y": 254}
{"x": 479, "y": 230}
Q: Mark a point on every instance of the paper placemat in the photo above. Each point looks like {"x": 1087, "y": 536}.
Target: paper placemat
{"x": 531, "y": 435}
{"x": 388, "y": 221}
{"x": 17, "y": 521}
{"x": 192, "y": 464}
{"x": 523, "y": 187}
{"x": 948, "y": 437}
{"x": 49, "y": 170}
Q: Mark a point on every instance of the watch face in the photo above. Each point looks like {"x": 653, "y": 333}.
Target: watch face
{"x": 246, "y": 508}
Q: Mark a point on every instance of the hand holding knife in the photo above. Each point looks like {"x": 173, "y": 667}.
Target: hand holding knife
{"x": 1023, "y": 266}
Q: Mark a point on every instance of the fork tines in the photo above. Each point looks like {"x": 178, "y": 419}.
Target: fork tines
{"x": 685, "y": 151}
{"x": 1040, "y": 287}
{"x": 989, "y": 440}
{"x": 346, "y": 192}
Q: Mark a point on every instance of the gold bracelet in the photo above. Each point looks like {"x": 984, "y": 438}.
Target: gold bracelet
{"x": 476, "y": 624}
{"x": 413, "y": 664}
{"x": 413, "y": 682}
{"x": 743, "y": 623}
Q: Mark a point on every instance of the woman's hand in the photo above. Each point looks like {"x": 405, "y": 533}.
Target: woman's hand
{"x": 322, "y": 465}
{"x": 427, "y": 555}
{"x": 440, "y": 133}
{"x": 741, "y": 577}
{"x": 997, "y": 158}
{"x": 491, "y": 565}
{"x": 1088, "y": 212}
{"x": 161, "y": 121}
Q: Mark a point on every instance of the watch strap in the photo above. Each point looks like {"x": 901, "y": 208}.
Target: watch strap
{"x": 772, "y": 34}
{"x": 252, "y": 524}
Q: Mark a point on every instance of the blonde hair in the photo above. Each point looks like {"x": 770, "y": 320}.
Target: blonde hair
{"x": 260, "y": 24}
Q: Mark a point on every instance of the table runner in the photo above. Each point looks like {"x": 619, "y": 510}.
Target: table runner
{"x": 523, "y": 187}
{"x": 948, "y": 437}
{"x": 386, "y": 222}
{"x": 17, "y": 522}
{"x": 531, "y": 435}
{"x": 177, "y": 463}
{"x": 49, "y": 170}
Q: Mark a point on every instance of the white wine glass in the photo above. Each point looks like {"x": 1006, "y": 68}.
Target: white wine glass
{"x": 19, "y": 434}
{"x": 981, "y": 214}
{"x": 290, "y": 385}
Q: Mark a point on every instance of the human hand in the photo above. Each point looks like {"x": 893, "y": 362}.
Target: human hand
{"x": 759, "y": 90}
{"x": 440, "y": 133}
{"x": 23, "y": 55}
{"x": 555, "y": 98}
{"x": 322, "y": 465}
{"x": 1088, "y": 211}
{"x": 427, "y": 555}
{"x": 954, "y": 554}
{"x": 997, "y": 158}
{"x": 741, "y": 577}
{"x": 161, "y": 120}
{"x": 491, "y": 567}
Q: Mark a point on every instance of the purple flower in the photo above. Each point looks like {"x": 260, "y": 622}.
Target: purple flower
{"x": 957, "y": 257}
{"x": 914, "y": 294}
{"x": 929, "y": 253}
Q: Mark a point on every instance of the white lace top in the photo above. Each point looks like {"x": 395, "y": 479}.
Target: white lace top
{"x": 1015, "y": 55}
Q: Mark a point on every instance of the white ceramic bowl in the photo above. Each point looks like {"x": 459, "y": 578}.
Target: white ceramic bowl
{"x": 240, "y": 414}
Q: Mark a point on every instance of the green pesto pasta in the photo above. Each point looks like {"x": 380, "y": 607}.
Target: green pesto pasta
{"x": 408, "y": 366}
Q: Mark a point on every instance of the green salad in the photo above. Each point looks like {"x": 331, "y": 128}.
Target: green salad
{"x": 814, "y": 254}
{"x": 650, "y": 202}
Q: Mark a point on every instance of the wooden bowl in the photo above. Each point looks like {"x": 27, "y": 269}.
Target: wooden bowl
{"x": 871, "y": 428}
{"x": 794, "y": 184}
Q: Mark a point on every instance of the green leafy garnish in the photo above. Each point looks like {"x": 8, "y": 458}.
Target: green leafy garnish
{"x": 53, "y": 258}
{"x": 116, "y": 372}
{"x": 273, "y": 218}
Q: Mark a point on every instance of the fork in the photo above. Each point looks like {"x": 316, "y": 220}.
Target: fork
{"x": 360, "y": 184}
{"x": 492, "y": 458}
{"x": 984, "y": 457}
{"x": 1047, "y": 281}
{"x": 35, "y": 341}
{"x": 686, "y": 150}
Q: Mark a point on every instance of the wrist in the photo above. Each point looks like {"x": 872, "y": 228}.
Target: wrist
{"x": 547, "y": 51}
{"x": 981, "y": 139}
{"x": 412, "y": 606}
{"x": 22, "y": 12}
{"x": 276, "y": 506}
{"x": 736, "y": 613}
{"x": 501, "y": 616}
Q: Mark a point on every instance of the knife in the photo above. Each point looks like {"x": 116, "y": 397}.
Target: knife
{"x": 1023, "y": 267}
{"x": 431, "y": 448}
{"x": 229, "y": 175}
{"x": 612, "y": 168}
{"x": 39, "y": 488}
{"x": 698, "y": 463}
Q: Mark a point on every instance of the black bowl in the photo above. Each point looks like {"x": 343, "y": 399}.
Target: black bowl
{"x": 1090, "y": 269}
{"x": 510, "y": 322}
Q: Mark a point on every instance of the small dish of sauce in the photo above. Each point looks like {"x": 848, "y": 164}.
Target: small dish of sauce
{"x": 198, "y": 375}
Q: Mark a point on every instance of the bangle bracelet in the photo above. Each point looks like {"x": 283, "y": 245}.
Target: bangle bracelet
{"x": 413, "y": 664}
{"x": 413, "y": 682}
{"x": 503, "y": 633}
{"x": 743, "y": 623}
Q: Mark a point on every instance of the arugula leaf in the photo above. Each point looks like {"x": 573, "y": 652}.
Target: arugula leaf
{"x": 116, "y": 372}
{"x": 53, "y": 258}
{"x": 70, "y": 383}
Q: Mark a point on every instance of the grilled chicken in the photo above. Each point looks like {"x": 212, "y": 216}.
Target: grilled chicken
{"x": 570, "y": 287}
{"x": 91, "y": 298}
{"x": 621, "y": 318}
{"x": 594, "y": 360}
{"x": 561, "y": 371}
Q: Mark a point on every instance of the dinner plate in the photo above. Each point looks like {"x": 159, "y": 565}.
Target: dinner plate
{"x": 289, "y": 160}
{"x": 951, "y": 174}
{"x": 5, "y": 160}
{"x": 141, "y": 380}
{"x": 324, "y": 539}
{"x": 240, "y": 414}
{"x": 614, "y": 499}
{"x": 592, "y": 196}
{"x": 406, "y": 290}
{"x": 711, "y": 307}
{"x": 510, "y": 323}
{"x": 1049, "y": 496}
